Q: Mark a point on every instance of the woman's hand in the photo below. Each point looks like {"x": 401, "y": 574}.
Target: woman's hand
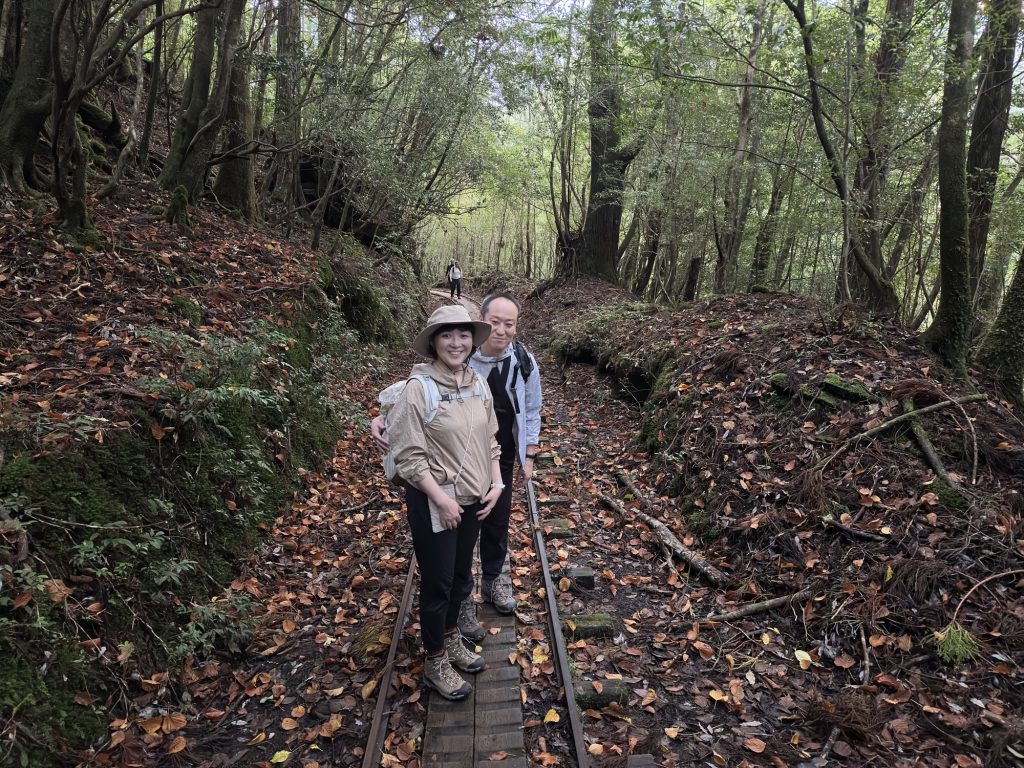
{"x": 449, "y": 512}
{"x": 489, "y": 501}
{"x": 377, "y": 433}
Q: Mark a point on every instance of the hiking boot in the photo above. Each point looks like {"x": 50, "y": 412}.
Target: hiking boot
{"x": 468, "y": 624}
{"x": 460, "y": 656}
{"x": 499, "y": 593}
{"x": 439, "y": 675}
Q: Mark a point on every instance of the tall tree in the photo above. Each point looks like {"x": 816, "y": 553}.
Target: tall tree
{"x": 875, "y": 150}
{"x": 235, "y": 186}
{"x": 737, "y": 191}
{"x": 882, "y": 295}
{"x": 610, "y": 158}
{"x": 950, "y": 335}
{"x": 991, "y": 115}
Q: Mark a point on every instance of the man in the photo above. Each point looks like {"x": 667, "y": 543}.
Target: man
{"x": 454, "y": 277}
{"x": 511, "y": 371}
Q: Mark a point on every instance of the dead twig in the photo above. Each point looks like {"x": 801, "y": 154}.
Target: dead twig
{"x": 898, "y": 420}
{"x": 764, "y": 605}
{"x": 680, "y": 550}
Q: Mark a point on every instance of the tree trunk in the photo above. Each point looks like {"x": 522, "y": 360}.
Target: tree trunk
{"x": 154, "y": 87}
{"x": 871, "y": 174}
{"x": 766, "y": 235}
{"x": 991, "y": 115}
{"x": 27, "y": 104}
{"x": 287, "y": 123}
{"x": 883, "y": 296}
{"x": 195, "y": 158}
{"x": 235, "y": 186}
{"x": 736, "y": 202}
{"x": 608, "y": 160}
{"x": 1002, "y": 352}
{"x": 950, "y": 335}
{"x": 195, "y": 97}
{"x": 649, "y": 251}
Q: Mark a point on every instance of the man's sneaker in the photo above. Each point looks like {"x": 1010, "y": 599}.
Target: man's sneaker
{"x": 439, "y": 675}
{"x": 461, "y": 656}
{"x": 499, "y": 593}
{"x": 468, "y": 624}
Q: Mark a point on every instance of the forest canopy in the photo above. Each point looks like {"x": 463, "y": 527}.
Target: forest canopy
{"x": 866, "y": 152}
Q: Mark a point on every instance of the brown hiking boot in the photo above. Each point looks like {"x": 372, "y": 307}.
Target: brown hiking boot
{"x": 439, "y": 675}
{"x": 460, "y": 656}
{"x": 467, "y": 623}
{"x": 499, "y": 594}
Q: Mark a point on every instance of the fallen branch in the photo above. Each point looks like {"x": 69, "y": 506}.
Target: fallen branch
{"x": 831, "y": 522}
{"x": 764, "y": 605}
{"x": 917, "y": 428}
{"x": 680, "y": 550}
{"x": 898, "y": 420}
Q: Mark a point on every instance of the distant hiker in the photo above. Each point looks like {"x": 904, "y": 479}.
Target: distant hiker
{"x": 448, "y": 274}
{"x": 514, "y": 381}
{"x": 454, "y": 276}
{"x": 449, "y": 462}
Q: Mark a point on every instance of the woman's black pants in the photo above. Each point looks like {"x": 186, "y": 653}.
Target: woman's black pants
{"x": 446, "y": 566}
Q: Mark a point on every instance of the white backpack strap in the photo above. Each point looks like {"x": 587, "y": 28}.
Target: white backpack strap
{"x": 431, "y": 396}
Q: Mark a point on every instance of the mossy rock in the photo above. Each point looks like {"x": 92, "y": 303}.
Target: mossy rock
{"x": 853, "y": 392}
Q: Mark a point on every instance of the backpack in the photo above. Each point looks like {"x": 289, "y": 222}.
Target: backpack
{"x": 433, "y": 398}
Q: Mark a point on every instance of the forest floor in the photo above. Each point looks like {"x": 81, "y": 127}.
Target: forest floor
{"x": 870, "y": 555}
{"x": 844, "y": 673}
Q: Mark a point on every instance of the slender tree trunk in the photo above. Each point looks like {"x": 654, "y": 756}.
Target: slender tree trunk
{"x": 649, "y": 251}
{"x": 766, "y": 235}
{"x": 991, "y": 115}
{"x": 883, "y": 296}
{"x": 872, "y": 171}
{"x": 154, "y": 87}
{"x": 950, "y": 335}
{"x": 736, "y": 202}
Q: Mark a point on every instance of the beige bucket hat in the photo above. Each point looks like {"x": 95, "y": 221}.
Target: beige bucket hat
{"x": 450, "y": 314}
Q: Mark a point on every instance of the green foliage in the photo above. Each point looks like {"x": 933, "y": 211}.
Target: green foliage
{"x": 157, "y": 517}
{"x": 224, "y": 624}
{"x": 955, "y": 644}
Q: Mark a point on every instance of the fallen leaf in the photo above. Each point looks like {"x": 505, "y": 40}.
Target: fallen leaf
{"x": 754, "y": 744}
{"x": 804, "y": 658}
{"x": 177, "y": 745}
{"x": 281, "y": 757}
{"x": 551, "y": 716}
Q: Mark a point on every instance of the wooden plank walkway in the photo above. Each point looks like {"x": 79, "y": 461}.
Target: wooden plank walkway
{"x": 489, "y": 722}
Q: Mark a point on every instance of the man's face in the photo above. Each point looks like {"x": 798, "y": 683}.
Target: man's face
{"x": 503, "y": 318}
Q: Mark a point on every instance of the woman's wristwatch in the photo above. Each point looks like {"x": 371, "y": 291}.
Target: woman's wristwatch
{"x": 531, "y": 456}
{"x": 497, "y": 485}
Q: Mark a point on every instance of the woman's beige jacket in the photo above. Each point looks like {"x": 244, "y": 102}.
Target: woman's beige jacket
{"x": 463, "y": 432}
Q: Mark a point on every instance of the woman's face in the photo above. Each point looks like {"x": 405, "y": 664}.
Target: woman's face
{"x": 453, "y": 346}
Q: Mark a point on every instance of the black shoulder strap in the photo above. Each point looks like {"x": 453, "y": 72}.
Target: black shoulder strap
{"x": 523, "y": 358}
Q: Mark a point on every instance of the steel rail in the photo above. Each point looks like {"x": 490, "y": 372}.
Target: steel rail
{"x": 557, "y": 641}
{"x": 374, "y": 742}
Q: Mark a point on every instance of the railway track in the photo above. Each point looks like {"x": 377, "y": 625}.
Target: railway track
{"x": 489, "y": 724}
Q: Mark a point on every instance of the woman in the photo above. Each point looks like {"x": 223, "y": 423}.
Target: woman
{"x": 450, "y": 465}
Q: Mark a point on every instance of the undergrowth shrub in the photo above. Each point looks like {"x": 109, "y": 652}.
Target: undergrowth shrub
{"x": 130, "y": 536}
